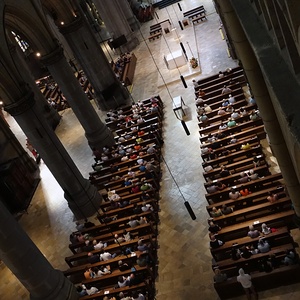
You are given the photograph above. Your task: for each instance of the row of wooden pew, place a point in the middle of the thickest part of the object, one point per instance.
(114, 220)
(251, 209)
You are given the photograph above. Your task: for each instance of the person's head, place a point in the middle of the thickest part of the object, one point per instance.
(79, 289)
(263, 225)
(233, 190)
(90, 254)
(241, 272)
(251, 228)
(121, 295)
(134, 294)
(120, 262)
(224, 206)
(121, 279)
(214, 209)
(261, 241)
(217, 272)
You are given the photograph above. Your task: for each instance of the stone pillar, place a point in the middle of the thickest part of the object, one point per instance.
(109, 92)
(12, 148)
(261, 93)
(83, 198)
(129, 15)
(29, 265)
(112, 14)
(97, 134)
(50, 114)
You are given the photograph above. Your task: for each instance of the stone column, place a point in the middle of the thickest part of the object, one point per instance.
(112, 14)
(97, 134)
(129, 15)
(12, 148)
(260, 90)
(109, 92)
(83, 198)
(51, 115)
(29, 265)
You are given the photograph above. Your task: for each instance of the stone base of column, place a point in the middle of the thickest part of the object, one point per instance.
(134, 23)
(132, 42)
(64, 291)
(100, 139)
(113, 97)
(85, 203)
(53, 118)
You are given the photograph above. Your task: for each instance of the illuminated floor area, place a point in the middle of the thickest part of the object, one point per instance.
(184, 257)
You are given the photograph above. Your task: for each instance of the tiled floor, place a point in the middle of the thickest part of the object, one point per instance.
(184, 257)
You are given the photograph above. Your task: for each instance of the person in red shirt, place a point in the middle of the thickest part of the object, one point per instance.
(244, 191)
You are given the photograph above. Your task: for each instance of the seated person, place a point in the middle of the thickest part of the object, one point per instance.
(244, 178)
(231, 99)
(137, 296)
(213, 228)
(226, 90)
(244, 191)
(253, 175)
(221, 111)
(291, 258)
(123, 281)
(123, 266)
(216, 212)
(245, 146)
(272, 197)
(234, 194)
(221, 186)
(235, 253)
(212, 188)
(222, 126)
(263, 246)
(219, 277)
(231, 123)
(91, 290)
(235, 115)
(245, 252)
(224, 172)
(253, 233)
(214, 243)
(265, 229)
(226, 210)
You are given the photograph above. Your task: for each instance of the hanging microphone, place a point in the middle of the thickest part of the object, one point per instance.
(185, 128)
(183, 81)
(190, 210)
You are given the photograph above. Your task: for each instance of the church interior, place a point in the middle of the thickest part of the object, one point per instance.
(58, 93)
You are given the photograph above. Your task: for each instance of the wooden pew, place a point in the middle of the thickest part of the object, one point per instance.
(143, 229)
(112, 278)
(235, 75)
(235, 129)
(235, 155)
(233, 147)
(252, 185)
(225, 249)
(209, 79)
(278, 219)
(248, 200)
(232, 167)
(111, 247)
(258, 210)
(258, 130)
(215, 118)
(113, 291)
(284, 275)
(215, 126)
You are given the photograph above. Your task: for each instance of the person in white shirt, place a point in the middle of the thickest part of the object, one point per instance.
(106, 256)
(91, 290)
(137, 296)
(99, 246)
(245, 281)
(231, 99)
